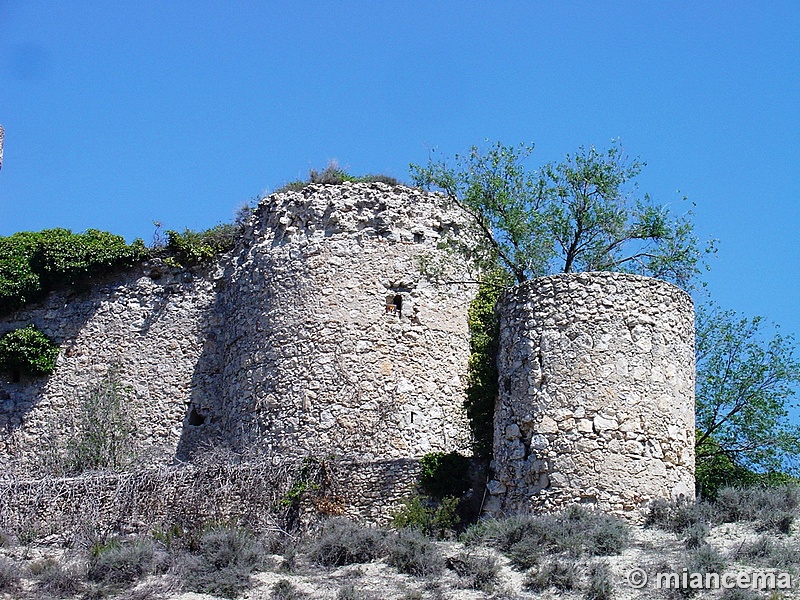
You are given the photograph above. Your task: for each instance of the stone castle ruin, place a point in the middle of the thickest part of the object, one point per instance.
(321, 334)
(596, 374)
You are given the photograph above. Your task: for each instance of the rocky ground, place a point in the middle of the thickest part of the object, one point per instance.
(577, 554)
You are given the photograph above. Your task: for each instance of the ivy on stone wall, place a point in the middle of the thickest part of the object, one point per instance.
(28, 350)
(482, 378)
(35, 263)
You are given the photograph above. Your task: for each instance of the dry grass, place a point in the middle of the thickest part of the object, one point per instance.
(575, 555)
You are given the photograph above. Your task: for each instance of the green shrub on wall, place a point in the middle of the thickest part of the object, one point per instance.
(29, 351)
(196, 247)
(482, 379)
(34, 263)
(103, 432)
(334, 175)
(434, 518)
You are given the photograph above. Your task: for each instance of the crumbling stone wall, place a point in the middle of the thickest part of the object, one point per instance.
(596, 399)
(321, 334)
(149, 325)
(318, 334)
(334, 340)
(251, 492)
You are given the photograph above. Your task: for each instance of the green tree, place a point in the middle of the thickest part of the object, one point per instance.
(746, 381)
(583, 214)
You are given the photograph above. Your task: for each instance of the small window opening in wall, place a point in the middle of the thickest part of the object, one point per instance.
(412, 416)
(394, 306)
(419, 238)
(16, 376)
(195, 418)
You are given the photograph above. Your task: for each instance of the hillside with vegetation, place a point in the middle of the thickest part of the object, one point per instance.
(576, 554)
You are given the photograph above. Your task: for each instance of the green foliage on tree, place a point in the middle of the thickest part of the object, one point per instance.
(35, 263)
(717, 471)
(745, 387)
(29, 351)
(586, 214)
(583, 214)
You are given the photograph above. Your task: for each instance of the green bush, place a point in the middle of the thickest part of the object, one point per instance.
(35, 263)
(350, 592)
(28, 350)
(678, 516)
(601, 584)
(499, 533)
(706, 559)
(10, 576)
(475, 572)
(285, 590)
(695, 536)
(227, 546)
(56, 579)
(769, 552)
(428, 516)
(102, 437)
(120, 563)
(19, 283)
(444, 475)
(770, 508)
(559, 573)
(526, 539)
(334, 175)
(224, 559)
(292, 186)
(197, 247)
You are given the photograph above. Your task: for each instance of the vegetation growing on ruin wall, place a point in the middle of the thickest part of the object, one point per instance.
(482, 378)
(35, 263)
(27, 350)
(334, 175)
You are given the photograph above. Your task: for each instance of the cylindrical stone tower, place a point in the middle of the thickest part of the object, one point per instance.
(596, 402)
(337, 340)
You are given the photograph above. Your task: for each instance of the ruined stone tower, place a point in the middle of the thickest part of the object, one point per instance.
(335, 342)
(596, 400)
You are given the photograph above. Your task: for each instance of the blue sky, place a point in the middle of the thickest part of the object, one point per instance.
(121, 113)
